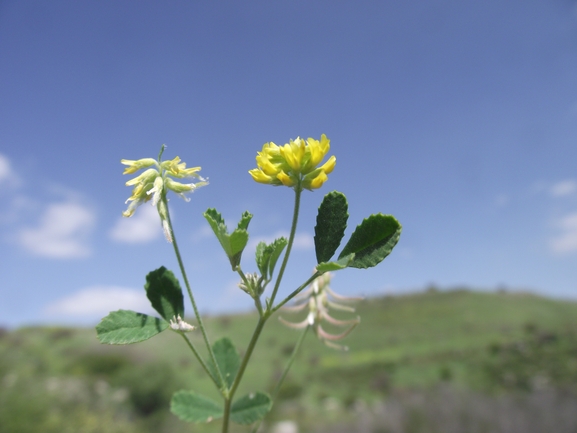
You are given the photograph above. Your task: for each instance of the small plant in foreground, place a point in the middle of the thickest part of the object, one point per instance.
(295, 165)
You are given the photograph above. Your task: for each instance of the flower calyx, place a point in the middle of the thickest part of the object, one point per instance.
(252, 284)
(179, 325)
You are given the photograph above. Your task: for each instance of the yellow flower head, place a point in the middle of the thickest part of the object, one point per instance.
(154, 182)
(295, 163)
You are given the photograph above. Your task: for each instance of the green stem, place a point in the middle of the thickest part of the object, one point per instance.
(199, 358)
(222, 385)
(289, 363)
(285, 372)
(247, 355)
(298, 191)
(296, 292)
(264, 317)
(240, 373)
(226, 417)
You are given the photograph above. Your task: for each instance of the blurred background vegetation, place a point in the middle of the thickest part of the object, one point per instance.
(439, 361)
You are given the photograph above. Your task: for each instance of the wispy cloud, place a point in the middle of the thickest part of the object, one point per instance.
(62, 232)
(7, 174)
(566, 242)
(144, 226)
(303, 241)
(98, 301)
(5, 169)
(563, 188)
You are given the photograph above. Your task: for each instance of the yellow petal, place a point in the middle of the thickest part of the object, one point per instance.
(293, 153)
(264, 163)
(134, 166)
(259, 176)
(285, 179)
(317, 182)
(145, 176)
(316, 153)
(329, 166)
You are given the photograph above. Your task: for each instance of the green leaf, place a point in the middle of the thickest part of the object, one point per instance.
(331, 224)
(335, 266)
(164, 292)
(233, 244)
(267, 256)
(372, 241)
(250, 408)
(244, 220)
(261, 258)
(216, 221)
(237, 242)
(127, 327)
(277, 248)
(227, 359)
(192, 407)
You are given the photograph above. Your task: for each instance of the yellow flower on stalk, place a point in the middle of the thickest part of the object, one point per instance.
(295, 163)
(154, 182)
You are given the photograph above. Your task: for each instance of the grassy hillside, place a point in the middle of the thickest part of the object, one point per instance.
(403, 343)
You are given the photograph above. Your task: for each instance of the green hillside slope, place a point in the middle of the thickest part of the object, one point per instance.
(403, 342)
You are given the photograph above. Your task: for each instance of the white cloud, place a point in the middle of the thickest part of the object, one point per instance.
(563, 188)
(62, 232)
(144, 226)
(303, 241)
(5, 170)
(7, 174)
(566, 242)
(98, 301)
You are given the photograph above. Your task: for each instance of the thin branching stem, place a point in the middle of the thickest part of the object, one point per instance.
(285, 372)
(226, 417)
(199, 358)
(290, 362)
(296, 292)
(241, 370)
(222, 385)
(298, 191)
(263, 317)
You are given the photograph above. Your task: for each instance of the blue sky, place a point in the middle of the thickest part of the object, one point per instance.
(457, 117)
